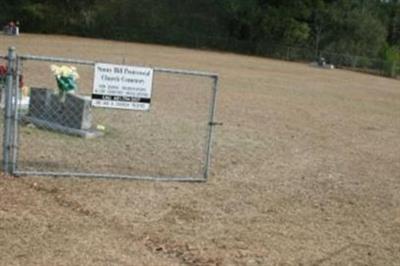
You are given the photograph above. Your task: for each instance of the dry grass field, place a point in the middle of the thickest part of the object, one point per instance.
(305, 171)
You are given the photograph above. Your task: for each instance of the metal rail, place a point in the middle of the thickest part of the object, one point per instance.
(185, 72)
(92, 63)
(110, 176)
(56, 60)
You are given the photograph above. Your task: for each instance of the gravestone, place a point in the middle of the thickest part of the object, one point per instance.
(71, 115)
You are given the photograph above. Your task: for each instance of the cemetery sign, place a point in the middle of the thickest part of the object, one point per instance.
(122, 87)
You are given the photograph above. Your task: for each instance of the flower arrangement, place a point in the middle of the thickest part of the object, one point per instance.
(3, 76)
(66, 77)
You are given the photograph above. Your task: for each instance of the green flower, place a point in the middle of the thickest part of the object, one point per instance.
(66, 83)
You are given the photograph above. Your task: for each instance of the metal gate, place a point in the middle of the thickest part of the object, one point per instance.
(170, 142)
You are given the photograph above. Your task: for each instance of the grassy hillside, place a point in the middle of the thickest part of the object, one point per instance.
(306, 171)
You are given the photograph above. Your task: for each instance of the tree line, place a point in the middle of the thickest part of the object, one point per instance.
(367, 28)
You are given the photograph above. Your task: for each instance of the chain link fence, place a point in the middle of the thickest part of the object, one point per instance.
(352, 62)
(300, 54)
(271, 49)
(363, 63)
(66, 136)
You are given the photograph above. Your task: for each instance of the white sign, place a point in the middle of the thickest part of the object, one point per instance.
(123, 87)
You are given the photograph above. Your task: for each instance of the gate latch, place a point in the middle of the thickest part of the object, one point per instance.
(213, 124)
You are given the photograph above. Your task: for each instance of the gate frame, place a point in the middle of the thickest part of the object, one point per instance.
(11, 120)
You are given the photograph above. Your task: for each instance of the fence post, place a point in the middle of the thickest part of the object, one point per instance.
(393, 69)
(288, 54)
(8, 111)
(15, 114)
(211, 125)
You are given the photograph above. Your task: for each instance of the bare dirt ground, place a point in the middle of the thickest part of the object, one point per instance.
(306, 171)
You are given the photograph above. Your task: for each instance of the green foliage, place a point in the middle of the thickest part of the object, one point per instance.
(391, 57)
(266, 27)
(35, 13)
(356, 29)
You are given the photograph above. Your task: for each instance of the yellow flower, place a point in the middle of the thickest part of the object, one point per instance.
(64, 71)
(101, 127)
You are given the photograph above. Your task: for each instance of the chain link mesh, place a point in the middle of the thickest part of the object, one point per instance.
(169, 140)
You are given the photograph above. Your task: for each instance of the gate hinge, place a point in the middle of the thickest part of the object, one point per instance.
(216, 124)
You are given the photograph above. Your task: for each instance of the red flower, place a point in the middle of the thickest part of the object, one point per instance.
(3, 71)
(3, 74)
